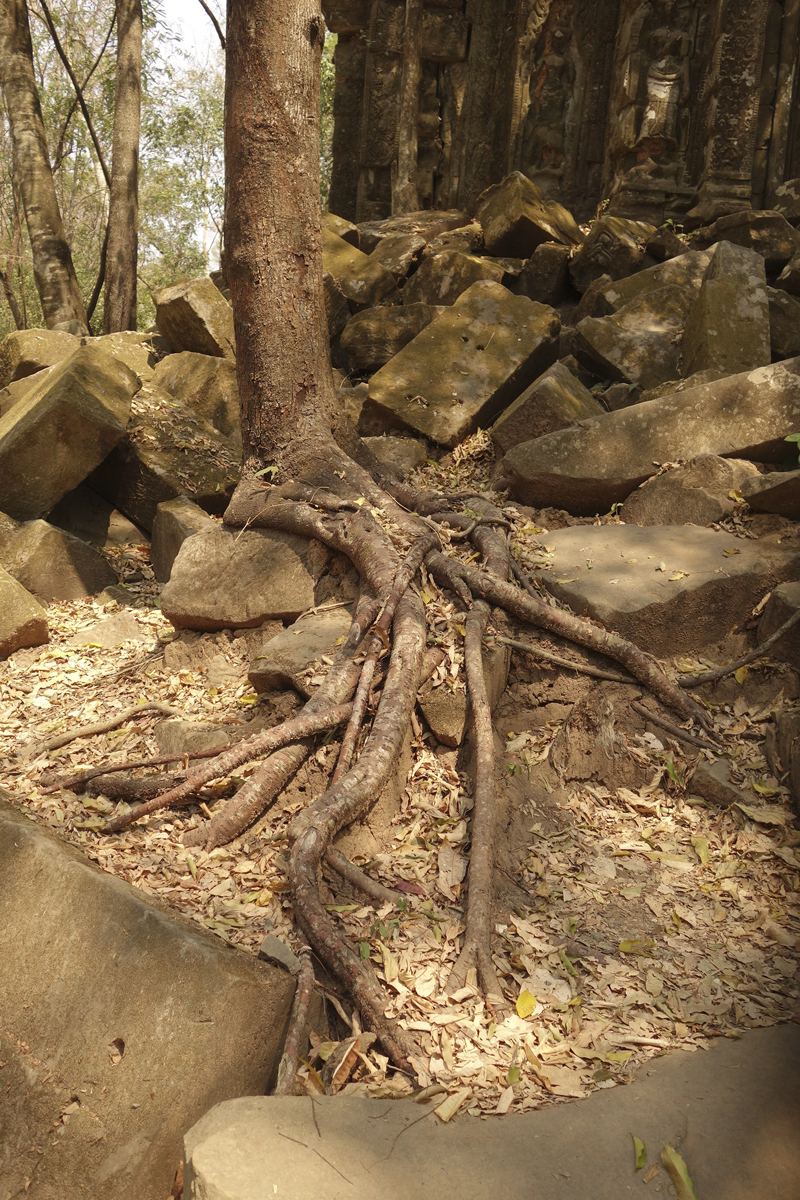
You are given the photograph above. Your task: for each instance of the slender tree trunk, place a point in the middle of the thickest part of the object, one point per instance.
(52, 259)
(123, 217)
(405, 197)
(273, 243)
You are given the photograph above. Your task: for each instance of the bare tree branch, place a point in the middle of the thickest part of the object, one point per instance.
(213, 21)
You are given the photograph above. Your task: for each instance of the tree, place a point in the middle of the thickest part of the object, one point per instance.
(55, 276)
(123, 216)
(325, 484)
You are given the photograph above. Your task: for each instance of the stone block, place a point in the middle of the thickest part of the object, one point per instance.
(372, 337)
(28, 351)
(784, 324)
(112, 632)
(782, 604)
(468, 364)
(444, 36)
(441, 280)
(696, 493)
(54, 565)
(516, 218)
(337, 310)
(553, 401)
(175, 521)
(23, 621)
(614, 247)
(123, 1022)
(445, 713)
(282, 661)
(686, 271)
(545, 276)
(346, 230)
(11, 395)
(767, 232)
(669, 588)
(196, 316)
(226, 580)
(776, 492)
(591, 466)
(207, 386)
(363, 280)
(62, 429)
(134, 349)
(787, 201)
(728, 328)
(189, 737)
(399, 253)
(428, 223)
(640, 343)
(167, 452)
(402, 453)
(84, 513)
(712, 781)
(466, 238)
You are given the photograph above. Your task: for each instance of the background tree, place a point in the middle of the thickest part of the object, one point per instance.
(123, 215)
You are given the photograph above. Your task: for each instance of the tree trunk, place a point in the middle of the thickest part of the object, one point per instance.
(404, 191)
(123, 217)
(52, 259)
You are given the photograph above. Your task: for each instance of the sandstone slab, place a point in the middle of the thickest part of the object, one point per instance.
(712, 781)
(640, 342)
(84, 513)
(363, 280)
(283, 660)
(123, 1013)
(135, 350)
(226, 580)
(337, 310)
(782, 604)
(787, 201)
(593, 465)
(553, 401)
(516, 218)
(111, 632)
(62, 429)
(175, 521)
(728, 328)
(207, 386)
(28, 351)
(698, 493)
(196, 316)
(427, 223)
(468, 364)
(346, 230)
(784, 324)
(403, 453)
(11, 395)
(668, 588)
(614, 247)
(687, 271)
(399, 253)
(441, 280)
(372, 337)
(23, 621)
(776, 492)
(54, 565)
(545, 276)
(167, 452)
(766, 232)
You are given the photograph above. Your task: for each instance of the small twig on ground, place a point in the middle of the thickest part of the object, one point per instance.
(355, 876)
(76, 783)
(287, 1068)
(687, 681)
(583, 668)
(137, 710)
(683, 734)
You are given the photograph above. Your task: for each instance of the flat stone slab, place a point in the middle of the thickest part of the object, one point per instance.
(777, 492)
(640, 342)
(553, 401)
(26, 351)
(207, 385)
(599, 462)
(55, 565)
(23, 621)
(728, 329)
(699, 492)
(175, 521)
(282, 660)
(732, 1112)
(194, 315)
(468, 364)
(120, 1015)
(669, 588)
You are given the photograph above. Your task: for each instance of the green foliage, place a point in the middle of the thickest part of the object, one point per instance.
(326, 119)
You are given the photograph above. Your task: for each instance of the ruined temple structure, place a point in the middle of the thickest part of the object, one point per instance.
(663, 107)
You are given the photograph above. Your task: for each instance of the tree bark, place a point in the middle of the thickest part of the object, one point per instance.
(53, 269)
(405, 197)
(119, 311)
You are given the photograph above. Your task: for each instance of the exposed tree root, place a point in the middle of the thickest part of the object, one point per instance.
(287, 1067)
(687, 681)
(137, 710)
(358, 879)
(683, 735)
(569, 663)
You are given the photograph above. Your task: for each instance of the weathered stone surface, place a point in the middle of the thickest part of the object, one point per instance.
(11, 395)
(789, 278)
(337, 310)
(89, 517)
(196, 316)
(672, 386)
(101, 987)
(27, 351)
(445, 713)
(782, 604)
(403, 453)
(224, 580)
(132, 348)
(768, 233)
(428, 223)
(784, 324)
(777, 492)
(175, 521)
(787, 739)
(113, 631)
(468, 364)
(23, 621)
(665, 244)
(698, 493)
(62, 429)
(516, 218)
(207, 386)
(553, 401)
(614, 247)
(668, 588)
(372, 337)
(189, 737)
(588, 468)
(441, 280)
(728, 328)
(282, 660)
(593, 302)
(399, 253)
(167, 452)
(545, 276)
(686, 271)
(640, 343)
(346, 230)
(276, 952)
(54, 565)
(787, 201)
(363, 280)
(467, 238)
(712, 781)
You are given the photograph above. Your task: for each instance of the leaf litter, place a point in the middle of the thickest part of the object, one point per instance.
(641, 920)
